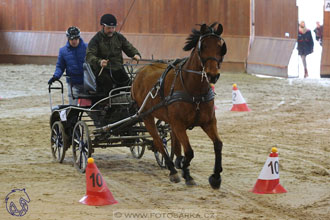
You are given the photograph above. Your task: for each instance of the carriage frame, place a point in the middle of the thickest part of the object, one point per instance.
(100, 121)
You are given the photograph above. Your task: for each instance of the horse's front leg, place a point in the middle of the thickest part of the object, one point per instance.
(212, 131)
(152, 129)
(184, 162)
(176, 148)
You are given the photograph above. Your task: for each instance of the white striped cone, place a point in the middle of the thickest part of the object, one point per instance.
(239, 103)
(269, 178)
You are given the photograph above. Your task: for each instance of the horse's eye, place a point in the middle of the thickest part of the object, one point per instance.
(219, 50)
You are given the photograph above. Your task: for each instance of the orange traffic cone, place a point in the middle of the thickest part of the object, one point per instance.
(269, 179)
(213, 89)
(239, 103)
(97, 192)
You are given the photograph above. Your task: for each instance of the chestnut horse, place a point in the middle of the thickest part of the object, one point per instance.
(181, 96)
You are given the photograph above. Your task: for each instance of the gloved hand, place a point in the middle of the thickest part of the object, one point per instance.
(51, 80)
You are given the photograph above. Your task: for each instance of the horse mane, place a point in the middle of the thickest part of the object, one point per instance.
(193, 38)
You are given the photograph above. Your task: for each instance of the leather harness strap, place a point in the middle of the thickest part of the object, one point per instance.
(178, 96)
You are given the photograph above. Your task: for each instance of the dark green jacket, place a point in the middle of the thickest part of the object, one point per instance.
(103, 47)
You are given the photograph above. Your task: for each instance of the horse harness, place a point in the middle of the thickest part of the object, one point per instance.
(184, 96)
(178, 96)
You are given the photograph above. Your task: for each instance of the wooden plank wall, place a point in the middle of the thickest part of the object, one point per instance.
(146, 16)
(149, 24)
(325, 62)
(274, 18)
(271, 49)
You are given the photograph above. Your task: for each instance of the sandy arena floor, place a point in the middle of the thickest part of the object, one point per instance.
(291, 114)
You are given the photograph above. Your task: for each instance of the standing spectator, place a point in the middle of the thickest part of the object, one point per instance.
(71, 59)
(319, 32)
(104, 54)
(305, 44)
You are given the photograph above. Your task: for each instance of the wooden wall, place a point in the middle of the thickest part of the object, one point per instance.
(272, 49)
(149, 23)
(274, 18)
(146, 16)
(325, 62)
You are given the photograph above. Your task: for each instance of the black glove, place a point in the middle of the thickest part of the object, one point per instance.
(51, 80)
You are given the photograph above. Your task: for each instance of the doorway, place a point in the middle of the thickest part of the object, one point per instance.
(310, 12)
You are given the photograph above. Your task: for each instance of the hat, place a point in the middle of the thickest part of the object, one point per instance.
(108, 20)
(73, 33)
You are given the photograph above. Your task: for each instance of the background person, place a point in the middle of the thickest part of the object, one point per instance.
(105, 51)
(319, 32)
(71, 59)
(305, 44)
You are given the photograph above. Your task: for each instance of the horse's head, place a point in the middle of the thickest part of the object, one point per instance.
(210, 49)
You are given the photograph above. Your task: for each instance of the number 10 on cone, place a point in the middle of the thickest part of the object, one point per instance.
(97, 180)
(270, 171)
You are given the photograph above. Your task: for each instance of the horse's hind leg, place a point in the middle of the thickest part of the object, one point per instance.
(211, 131)
(152, 129)
(184, 162)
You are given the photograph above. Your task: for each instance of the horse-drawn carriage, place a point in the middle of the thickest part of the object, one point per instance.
(163, 101)
(100, 121)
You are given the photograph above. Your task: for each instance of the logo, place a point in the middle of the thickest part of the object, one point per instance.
(327, 5)
(17, 202)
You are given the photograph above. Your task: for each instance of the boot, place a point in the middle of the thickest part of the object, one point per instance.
(306, 73)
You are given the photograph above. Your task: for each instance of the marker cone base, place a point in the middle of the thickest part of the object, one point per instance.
(240, 108)
(268, 187)
(98, 200)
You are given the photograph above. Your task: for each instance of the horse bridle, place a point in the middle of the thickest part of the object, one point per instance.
(203, 61)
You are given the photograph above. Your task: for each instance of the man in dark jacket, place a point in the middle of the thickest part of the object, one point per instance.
(70, 59)
(104, 54)
(305, 44)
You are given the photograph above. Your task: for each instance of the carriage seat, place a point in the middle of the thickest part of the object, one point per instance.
(89, 80)
(90, 88)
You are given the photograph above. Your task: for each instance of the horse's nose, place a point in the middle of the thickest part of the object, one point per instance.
(214, 79)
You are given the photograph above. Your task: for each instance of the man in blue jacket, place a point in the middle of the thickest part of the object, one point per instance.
(70, 59)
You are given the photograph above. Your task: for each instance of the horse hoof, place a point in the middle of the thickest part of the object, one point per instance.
(174, 178)
(191, 182)
(215, 182)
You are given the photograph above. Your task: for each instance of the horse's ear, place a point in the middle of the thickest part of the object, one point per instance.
(223, 49)
(219, 29)
(204, 29)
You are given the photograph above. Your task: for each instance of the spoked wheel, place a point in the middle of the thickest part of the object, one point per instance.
(137, 150)
(81, 146)
(165, 133)
(59, 141)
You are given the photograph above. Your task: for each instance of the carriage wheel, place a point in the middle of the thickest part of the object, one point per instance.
(137, 151)
(164, 130)
(159, 157)
(81, 146)
(59, 141)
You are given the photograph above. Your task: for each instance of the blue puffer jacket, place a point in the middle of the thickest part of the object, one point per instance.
(71, 60)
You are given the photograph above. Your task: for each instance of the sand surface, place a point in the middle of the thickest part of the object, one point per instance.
(291, 114)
